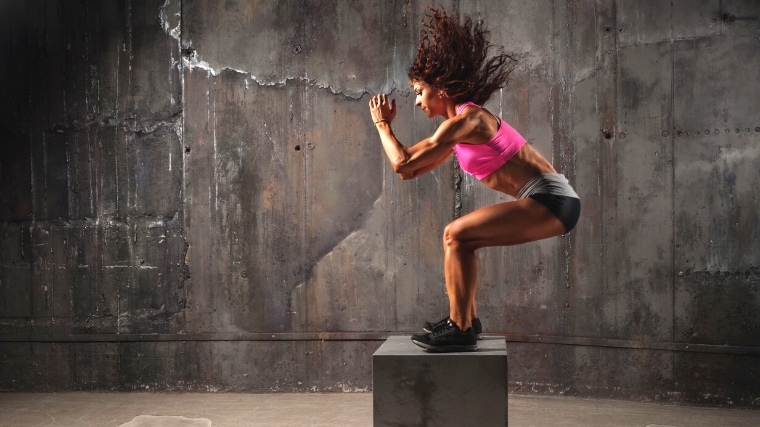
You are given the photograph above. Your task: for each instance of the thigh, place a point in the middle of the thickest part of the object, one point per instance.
(505, 224)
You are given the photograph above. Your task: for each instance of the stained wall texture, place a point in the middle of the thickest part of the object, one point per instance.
(193, 196)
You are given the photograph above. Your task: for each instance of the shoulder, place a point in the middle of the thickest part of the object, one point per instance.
(480, 123)
(468, 115)
(472, 125)
(475, 113)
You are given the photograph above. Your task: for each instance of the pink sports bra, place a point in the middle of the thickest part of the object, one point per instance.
(480, 160)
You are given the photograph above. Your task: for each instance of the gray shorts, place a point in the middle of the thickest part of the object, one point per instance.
(553, 190)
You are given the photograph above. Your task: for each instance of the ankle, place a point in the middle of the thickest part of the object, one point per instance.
(462, 323)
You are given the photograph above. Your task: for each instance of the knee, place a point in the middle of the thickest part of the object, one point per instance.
(454, 236)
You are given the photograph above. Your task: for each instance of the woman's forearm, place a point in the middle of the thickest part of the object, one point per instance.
(406, 161)
(425, 169)
(395, 151)
(411, 162)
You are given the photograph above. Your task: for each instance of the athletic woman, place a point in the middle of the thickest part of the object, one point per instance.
(452, 78)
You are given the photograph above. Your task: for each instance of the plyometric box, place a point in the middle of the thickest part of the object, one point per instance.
(412, 387)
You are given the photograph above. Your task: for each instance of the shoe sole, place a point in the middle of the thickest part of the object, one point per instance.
(446, 349)
(428, 331)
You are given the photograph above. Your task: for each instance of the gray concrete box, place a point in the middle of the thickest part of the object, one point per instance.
(412, 387)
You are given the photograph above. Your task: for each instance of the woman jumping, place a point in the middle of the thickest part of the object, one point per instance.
(452, 77)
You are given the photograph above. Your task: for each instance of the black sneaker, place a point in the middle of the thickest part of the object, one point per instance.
(430, 326)
(447, 338)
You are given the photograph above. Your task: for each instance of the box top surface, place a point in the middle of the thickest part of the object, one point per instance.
(402, 345)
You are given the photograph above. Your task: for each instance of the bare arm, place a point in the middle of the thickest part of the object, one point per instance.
(425, 169)
(410, 162)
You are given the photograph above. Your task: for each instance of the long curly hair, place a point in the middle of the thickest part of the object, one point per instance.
(453, 57)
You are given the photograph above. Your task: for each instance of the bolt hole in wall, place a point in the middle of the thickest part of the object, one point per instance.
(708, 132)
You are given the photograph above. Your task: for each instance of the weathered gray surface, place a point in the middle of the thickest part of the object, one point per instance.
(413, 387)
(331, 409)
(192, 196)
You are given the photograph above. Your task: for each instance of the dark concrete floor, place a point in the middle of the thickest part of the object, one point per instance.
(304, 410)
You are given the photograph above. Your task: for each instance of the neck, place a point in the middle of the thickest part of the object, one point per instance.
(451, 109)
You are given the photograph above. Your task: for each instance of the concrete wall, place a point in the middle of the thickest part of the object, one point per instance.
(193, 196)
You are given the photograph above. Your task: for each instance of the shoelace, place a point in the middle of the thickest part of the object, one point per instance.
(440, 325)
(442, 329)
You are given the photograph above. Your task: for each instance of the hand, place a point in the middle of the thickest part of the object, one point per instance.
(381, 109)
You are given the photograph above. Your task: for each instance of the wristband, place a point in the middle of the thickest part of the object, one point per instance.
(383, 120)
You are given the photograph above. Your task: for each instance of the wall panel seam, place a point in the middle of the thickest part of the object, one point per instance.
(376, 336)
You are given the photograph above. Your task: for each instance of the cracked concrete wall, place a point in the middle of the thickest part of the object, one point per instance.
(193, 196)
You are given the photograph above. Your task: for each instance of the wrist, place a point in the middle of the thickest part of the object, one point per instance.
(382, 123)
(386, 121)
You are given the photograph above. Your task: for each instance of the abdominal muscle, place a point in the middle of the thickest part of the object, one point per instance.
(510, 177)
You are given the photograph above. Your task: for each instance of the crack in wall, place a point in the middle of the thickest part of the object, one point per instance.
(192, 60)
(131, 125)
(175, 32)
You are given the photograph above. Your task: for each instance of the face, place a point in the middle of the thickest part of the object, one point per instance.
(428, 99)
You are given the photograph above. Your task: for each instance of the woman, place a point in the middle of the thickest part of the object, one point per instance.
(452, 78)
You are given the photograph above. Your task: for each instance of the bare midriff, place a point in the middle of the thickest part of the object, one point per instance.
(521, 168)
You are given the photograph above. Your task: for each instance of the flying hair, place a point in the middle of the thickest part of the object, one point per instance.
(453, 56)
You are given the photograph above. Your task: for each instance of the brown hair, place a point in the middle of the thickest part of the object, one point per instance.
(452, 56)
